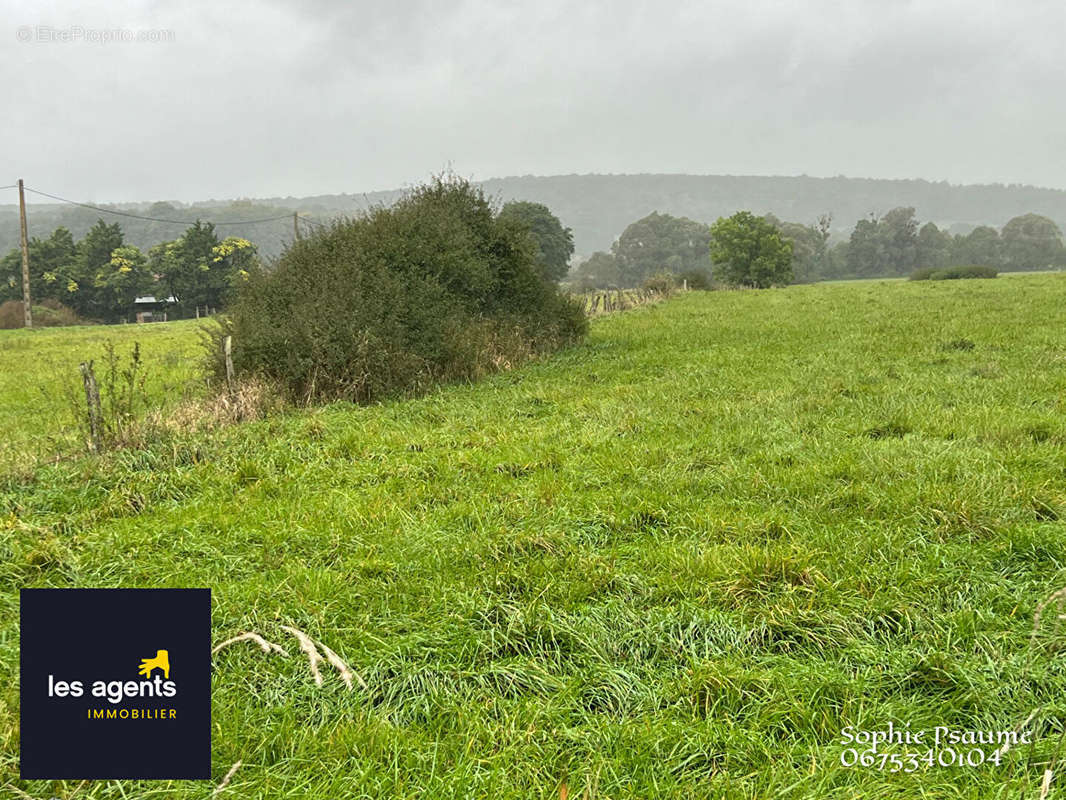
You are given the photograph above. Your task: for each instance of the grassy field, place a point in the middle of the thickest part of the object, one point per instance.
(39, 367)
(675, 561)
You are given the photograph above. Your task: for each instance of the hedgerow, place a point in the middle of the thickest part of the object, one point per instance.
(953, 273)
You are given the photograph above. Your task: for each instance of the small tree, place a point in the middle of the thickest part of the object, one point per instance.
(554, 243)
(660, 243)
(982, 245)
(934, 246)
(232, 262)
(118, 282)
(748, 251)
(188, 269)
(598, 271)
(92, 259)
(1032, 242)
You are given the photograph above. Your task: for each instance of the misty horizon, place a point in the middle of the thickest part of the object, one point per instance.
(33, 199)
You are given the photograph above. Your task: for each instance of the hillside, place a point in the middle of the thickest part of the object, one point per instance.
(675, 561)
(598, 207)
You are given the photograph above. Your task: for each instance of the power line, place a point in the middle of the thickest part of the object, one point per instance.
(12, 186)
(153, 219)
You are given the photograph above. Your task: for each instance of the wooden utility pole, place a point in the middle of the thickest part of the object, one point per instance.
(27, 313)
(296, 225)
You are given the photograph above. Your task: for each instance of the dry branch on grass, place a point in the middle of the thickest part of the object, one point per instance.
(308, 646)
(342, 668)
(1045, 786)
(226, 780)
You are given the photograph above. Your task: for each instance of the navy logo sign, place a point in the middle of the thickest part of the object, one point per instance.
(115, 683)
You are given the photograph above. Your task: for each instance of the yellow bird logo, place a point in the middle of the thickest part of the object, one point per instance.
(161, 661)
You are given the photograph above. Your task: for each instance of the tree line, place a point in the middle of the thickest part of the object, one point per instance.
(100, 275)
(597, 207)
(892, 245)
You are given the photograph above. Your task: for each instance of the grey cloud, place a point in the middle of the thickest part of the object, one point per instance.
(261, 99)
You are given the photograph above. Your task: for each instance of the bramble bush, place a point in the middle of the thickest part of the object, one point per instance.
(435, 288)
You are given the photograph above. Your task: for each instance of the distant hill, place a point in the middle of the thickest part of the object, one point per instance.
(598, 207)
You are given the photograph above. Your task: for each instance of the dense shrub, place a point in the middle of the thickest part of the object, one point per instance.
(953, 273)
(50, 313)
(434, 288)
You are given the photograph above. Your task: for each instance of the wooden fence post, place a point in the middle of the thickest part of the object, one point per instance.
(92, 404)
(227, 347)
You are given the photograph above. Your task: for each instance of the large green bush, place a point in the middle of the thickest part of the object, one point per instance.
(434, 288)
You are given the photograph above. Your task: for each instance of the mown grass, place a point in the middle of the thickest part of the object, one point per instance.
(673, 562)
(38, 369)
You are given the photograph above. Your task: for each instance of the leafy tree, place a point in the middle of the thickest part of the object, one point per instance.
(899, 237)
(48, 258)
(164, 260)
(864, 248)
(982, 245)
(1032, 242)
(120, 281)
(934, 246)
(808, 246)
(836, 261)
(233, 260)
(554, 243)
(11, 276)
(748, 251)
(598, 271)
(99, 277)
(92, 260)
(658, 243)
(822, 263)
(188, 269)
(884, 246)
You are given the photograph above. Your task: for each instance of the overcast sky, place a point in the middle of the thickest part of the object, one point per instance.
(262, 99)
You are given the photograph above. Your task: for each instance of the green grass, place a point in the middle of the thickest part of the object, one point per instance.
(38, 368)
(673, 562)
